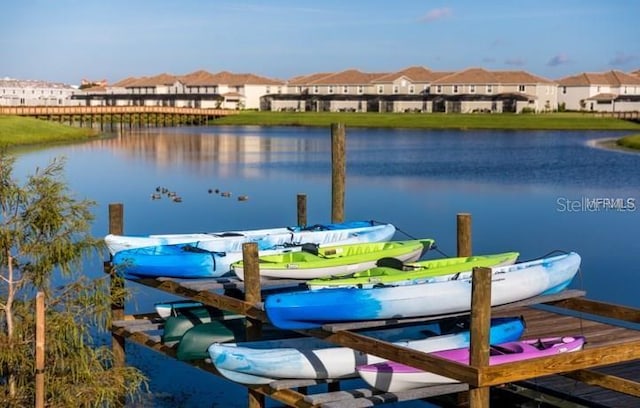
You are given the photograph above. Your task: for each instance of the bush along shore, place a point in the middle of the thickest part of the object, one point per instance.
(630, 142)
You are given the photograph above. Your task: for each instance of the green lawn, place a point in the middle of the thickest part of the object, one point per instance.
(20, 131)
(550, 121)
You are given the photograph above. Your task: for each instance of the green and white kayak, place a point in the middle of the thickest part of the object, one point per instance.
(399, 273)
(195, 342)
(320, 261)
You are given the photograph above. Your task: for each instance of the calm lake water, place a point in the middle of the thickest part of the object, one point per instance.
(528, 191)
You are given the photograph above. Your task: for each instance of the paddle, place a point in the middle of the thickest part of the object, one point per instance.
(395, 263)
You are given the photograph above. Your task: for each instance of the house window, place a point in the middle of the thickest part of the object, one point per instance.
(331, 89)
(564, 90)
(345, 89)
(455, 89)
(439, 89)
(360, 89)
(315, 89)
(489, 89)
(268, 90)
(521, 88)
(472, 89)
(396, 89)
(380, 89)
(412, 89)
(279, 89)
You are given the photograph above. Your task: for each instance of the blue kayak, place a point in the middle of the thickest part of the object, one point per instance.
(307, 309)
(212, 256)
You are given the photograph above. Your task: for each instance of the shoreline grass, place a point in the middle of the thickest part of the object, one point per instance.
(547, 121)
(20, 131)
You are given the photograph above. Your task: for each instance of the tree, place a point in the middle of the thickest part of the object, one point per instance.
(44, 237)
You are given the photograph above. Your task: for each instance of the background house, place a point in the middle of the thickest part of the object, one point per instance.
(19, 92)
(480, 90)
(612, 91)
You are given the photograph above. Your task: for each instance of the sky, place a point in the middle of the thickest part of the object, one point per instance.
(70, 40)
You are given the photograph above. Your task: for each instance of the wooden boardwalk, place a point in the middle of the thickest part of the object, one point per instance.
(110, 110)
(606, 373)
(110, 116)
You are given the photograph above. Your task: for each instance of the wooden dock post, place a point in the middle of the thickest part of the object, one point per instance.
(302, 210)
(116, 226)
(464, 234)
(480, 322)
(252, 295)
(40, 349)
(252, 286)
(338, 171)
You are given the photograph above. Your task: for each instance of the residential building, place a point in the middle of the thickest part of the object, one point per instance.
(418, 89)
(408, 90)
(19, 92)
(611, 91)
(480, 90)
(199, 89)
(413, 89)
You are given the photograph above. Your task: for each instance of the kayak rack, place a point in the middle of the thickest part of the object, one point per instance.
(611, 330)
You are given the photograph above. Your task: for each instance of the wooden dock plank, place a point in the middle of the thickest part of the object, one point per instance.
(388, 397)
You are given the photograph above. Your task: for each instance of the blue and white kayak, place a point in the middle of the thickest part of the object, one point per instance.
(213, 257)
(231, 241)
(262, 362)
(434, 296)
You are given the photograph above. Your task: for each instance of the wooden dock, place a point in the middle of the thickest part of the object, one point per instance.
(131, 116)
(606, 373)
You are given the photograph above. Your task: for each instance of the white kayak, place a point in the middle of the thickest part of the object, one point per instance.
(262, 362)
(231, 241)
(309, 309)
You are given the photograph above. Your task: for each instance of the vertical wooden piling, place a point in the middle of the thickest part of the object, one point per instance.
(116, 226)
(252, 295)
(40, 342)
(338, 171)
(464, 234)
(463, 221)
(302, 210)
(251, 285)
(480, 322)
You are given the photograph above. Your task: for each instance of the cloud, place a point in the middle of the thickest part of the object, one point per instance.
(437, 14)
(622, 59)
(518, 62)
(559, 59)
